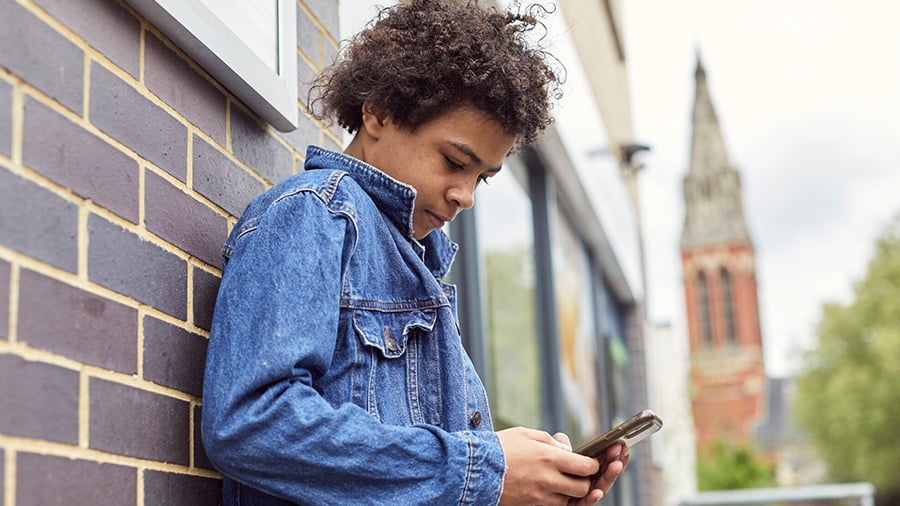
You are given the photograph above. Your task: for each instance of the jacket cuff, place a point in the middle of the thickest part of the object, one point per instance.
(486, 469)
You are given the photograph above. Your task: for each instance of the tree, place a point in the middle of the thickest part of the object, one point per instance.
(847, 395)
(733, 467)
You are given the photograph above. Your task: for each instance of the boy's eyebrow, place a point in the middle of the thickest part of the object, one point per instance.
(471, 154)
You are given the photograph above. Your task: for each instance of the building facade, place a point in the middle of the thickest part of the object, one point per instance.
(123, 165)
(728, 381)
(126, 158)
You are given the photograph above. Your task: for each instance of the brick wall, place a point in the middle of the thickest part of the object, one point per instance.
(728, 381)
(123, 166)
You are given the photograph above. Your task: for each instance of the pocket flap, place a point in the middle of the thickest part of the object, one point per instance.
(389, 331)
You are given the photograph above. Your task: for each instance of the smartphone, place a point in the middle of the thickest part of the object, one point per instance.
(632, 431)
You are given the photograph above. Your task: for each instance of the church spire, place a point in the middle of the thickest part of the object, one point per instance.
(707, 146)
(714, 211)
(727, 368)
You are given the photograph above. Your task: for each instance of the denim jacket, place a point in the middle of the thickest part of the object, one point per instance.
(335, 372)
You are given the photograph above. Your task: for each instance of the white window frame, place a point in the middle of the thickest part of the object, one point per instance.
(201, 34)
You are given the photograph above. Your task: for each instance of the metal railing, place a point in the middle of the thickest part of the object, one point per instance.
(862, 494)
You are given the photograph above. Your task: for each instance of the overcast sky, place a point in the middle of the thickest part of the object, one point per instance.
(808, 97)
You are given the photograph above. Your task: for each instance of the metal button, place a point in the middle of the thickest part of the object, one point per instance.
(476, 418)
(392, 345)
(389, 341)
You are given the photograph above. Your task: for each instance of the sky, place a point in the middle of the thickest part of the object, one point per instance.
(808, 97)
(807, 94)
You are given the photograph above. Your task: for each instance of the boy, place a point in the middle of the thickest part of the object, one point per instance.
(335, 372)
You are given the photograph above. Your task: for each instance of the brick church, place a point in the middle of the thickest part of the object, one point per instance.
(727, 374)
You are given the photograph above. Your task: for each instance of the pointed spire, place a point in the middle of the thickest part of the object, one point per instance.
(713, 203)
(707, 145)
(699, 72)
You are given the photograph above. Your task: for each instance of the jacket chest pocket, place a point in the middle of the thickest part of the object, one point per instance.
(397, 373)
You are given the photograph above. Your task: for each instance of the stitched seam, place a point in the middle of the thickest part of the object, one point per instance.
(374, 305)
(468, 470)
(371, 403)
(412, 380)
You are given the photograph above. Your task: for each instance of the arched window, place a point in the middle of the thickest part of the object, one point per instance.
(728, 308)
(703, 295)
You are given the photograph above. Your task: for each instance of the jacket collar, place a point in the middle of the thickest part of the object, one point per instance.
(395, 199)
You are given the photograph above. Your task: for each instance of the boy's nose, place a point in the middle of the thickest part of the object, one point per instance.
(463, 196)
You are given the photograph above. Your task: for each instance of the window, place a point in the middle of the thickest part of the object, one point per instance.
(577, 331)
(703, 303)
(728, 308)
(506, 247)
(249, 47)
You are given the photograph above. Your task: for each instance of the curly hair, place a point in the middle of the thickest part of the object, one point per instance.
(421, 58)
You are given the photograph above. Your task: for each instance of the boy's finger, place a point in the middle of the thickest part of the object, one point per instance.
(564, 439)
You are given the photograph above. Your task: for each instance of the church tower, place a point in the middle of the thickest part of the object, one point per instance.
(728, 381)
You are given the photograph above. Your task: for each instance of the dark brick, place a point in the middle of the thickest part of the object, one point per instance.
(41, 56)
(221, 180)
(179, 219)
(38, 400)
(307, 133)
(122, 261)
(206, 288)
(200, 458)
(68, 321)
(305, 77)
(132, 119)
(5, 118)
(253, 145)
(43, 480)
(136, 423)
(78, 159)
(326, 11)
(328, 143)
(105, 25)
(4, 301)
(329, 53)
(308, 35)
(37, 222)
(181, 489)
(182, 87)
(173, 357)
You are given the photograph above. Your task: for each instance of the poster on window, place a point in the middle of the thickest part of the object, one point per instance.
(577, 332)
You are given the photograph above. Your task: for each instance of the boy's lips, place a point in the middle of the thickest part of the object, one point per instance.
(436, 220)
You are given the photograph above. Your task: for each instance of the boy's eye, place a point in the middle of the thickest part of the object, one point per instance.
(453, 164)
(483, 179)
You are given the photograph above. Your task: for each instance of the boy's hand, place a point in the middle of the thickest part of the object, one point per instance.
(542, 469)
(611, 467)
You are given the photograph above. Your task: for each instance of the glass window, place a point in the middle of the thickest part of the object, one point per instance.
(577, 332)
(728, 308)
(705, 323)
(506, 246)
(249, 47)
(615, 366)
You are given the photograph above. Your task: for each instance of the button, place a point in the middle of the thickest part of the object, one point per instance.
(392, 345)
(476, 418)
(389, 341)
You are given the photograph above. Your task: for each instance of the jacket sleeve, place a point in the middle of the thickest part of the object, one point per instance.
(273, 334)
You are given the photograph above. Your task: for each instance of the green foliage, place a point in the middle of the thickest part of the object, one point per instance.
(847, 397)
(733, 467)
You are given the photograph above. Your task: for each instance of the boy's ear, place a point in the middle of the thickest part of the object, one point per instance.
(373, 120)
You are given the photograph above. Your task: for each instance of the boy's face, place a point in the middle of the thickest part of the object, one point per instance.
(444, 160)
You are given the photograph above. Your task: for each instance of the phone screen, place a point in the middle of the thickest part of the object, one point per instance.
(630, 432)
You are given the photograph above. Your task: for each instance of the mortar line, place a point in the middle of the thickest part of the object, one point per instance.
(84, 416)
(15, 274)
